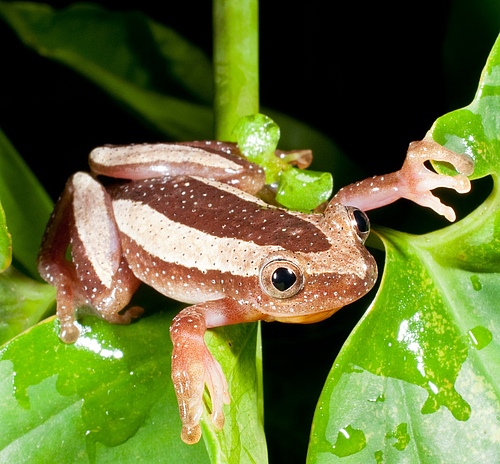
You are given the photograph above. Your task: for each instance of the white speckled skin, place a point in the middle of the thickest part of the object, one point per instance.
(184, 220)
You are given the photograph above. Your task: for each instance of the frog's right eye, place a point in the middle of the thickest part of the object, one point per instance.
(281, 278)
(360, 222)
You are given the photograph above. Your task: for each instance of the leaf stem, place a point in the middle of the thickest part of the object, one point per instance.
(236, 63)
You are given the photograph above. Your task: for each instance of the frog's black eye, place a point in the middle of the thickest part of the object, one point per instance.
(281, 278)
(360, 222)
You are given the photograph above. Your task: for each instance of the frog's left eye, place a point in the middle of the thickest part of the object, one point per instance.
(281, 278)
(360, 222)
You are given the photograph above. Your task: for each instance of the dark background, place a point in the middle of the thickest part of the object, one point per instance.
(371, 76)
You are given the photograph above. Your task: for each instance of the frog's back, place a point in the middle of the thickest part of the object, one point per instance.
(180, 234)
(218, 211)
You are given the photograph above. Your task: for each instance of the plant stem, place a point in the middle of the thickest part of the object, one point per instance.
(236, 63)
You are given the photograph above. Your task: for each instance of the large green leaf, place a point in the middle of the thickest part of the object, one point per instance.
(417, 380)
(109, 397)
(27, 206)
(24, 303)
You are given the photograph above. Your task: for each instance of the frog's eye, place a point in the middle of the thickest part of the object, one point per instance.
(281, 278)
(360, 222)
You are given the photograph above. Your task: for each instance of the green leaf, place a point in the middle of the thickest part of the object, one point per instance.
(303, 190)
(257, 137)
(242, 440)
(419, 375)
(105, 397)
(148, 68)
(5, 243)
(27, 206)
(24, 302)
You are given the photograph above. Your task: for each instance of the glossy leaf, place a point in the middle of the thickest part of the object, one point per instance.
(257, 137)
(26, 204)
(105, 397)
(304, 190)
(419, 375)
(24, 303)
(5, 243)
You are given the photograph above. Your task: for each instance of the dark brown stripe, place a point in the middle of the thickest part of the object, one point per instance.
(223, 214)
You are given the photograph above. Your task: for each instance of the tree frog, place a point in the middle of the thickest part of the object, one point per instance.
(184, 218)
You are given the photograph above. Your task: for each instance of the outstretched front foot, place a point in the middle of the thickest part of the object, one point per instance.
(414, 181)
(420, 180)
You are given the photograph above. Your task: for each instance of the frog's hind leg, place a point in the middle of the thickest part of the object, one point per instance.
(97, 275)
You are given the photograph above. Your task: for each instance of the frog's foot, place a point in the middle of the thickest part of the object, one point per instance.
(300, 158)
(69, 331)
(419, 181)
(192, 367)
(126, 317)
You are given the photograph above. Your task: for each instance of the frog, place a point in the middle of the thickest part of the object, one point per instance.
(186, 219)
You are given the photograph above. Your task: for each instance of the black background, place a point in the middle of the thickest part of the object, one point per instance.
(371, 76)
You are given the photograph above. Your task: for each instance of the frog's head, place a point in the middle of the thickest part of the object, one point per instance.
(332, 271)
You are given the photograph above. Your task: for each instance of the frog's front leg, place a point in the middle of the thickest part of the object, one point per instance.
(413, 181)
(193, 365)
(97, 276)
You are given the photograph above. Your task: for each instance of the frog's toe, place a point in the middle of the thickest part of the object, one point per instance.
(218, 388)
(188, 380)
(126, 317)
(190, 374)
(428, 200)
(69, 332)
(191, 435)
(418, 181)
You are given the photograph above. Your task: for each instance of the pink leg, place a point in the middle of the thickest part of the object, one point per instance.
(193, 365)
(413, 181)
(97, 276)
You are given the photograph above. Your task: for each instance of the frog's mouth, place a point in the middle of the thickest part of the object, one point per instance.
(305, 318)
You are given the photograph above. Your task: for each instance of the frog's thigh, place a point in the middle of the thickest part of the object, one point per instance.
(210, 160)
(106, 282)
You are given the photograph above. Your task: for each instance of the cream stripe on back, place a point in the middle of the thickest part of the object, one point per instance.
(177, 243)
